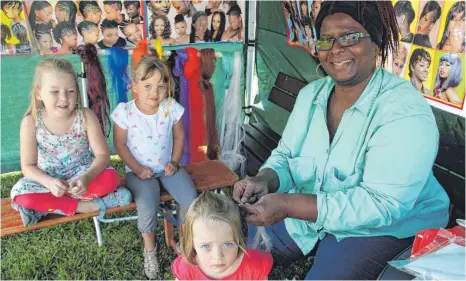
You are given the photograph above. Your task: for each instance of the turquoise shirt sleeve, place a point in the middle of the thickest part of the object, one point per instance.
(397, 166)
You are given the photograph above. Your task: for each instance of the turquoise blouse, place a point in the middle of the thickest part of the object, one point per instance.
(375, 177)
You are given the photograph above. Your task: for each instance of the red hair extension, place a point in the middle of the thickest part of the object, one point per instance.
(96, 85)
(207, 57)
(196, 106)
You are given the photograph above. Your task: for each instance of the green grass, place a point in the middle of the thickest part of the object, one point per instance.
(70, 251)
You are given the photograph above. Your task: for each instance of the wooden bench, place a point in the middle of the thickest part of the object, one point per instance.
(207, 176)
(449, 166)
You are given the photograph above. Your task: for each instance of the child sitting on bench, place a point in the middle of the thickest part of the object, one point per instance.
(149, 137)
(57, 135)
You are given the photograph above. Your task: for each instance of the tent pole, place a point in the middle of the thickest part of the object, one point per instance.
(83, 76)
(251, 56)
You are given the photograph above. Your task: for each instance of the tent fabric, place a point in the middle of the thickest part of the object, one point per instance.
(274, 56)
(16, 81)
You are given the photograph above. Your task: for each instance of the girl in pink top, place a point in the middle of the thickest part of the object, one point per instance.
(214, 246)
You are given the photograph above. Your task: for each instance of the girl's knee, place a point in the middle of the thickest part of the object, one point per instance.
(24, 200)
(147, 222)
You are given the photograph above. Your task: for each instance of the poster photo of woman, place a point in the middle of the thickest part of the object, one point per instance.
(452, 35)
(398, 62)
(428, 24)
(406, 13)
(300, 17)
(420, 69)
(449, 85)
(15, 37)
(59, 26)
(179, 22)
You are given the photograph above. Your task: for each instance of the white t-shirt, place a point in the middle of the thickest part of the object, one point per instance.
(149, 137)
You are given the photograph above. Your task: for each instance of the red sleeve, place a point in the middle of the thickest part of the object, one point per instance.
(261, 264)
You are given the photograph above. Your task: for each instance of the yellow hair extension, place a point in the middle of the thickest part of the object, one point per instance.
(158, 47)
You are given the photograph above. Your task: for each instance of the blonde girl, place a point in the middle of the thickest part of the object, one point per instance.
(149, 137)
(64, 156)
(214, 246)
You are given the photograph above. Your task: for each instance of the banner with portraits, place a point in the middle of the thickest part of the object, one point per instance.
(300, 17)
(183, 22)
(59, 26)
(15, 37)
(431, 54)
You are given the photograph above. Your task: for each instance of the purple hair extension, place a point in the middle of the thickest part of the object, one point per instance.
(178, 71)
(96, 85)
(118, 65)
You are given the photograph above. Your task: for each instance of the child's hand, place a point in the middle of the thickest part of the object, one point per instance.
(171, 168)
(144, 173)
(58, 187)
(78, 186)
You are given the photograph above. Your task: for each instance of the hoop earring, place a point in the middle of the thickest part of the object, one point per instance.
(317, 71)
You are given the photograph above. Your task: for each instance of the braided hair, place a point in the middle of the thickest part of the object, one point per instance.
(5, 33)
(20, 31)
(62, 29)
(37, 6)
(70, 8)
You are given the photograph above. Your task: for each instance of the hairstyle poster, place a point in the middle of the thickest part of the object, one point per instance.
(300, 17)
(431, 54)
(184, 22)
(15, 37)
(61, 25)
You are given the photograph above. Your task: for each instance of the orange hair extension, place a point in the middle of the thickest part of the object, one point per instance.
(138, 53)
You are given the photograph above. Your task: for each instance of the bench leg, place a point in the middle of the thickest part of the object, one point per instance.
(179, 211)
(169, 232)
(98, 232)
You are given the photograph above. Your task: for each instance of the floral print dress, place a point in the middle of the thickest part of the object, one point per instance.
(63, 156)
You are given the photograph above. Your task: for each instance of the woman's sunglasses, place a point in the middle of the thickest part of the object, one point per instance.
(325, 44)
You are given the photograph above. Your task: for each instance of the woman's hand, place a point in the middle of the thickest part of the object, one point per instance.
(249, 190)
(58, 187)
(270, 209)
(78, 185)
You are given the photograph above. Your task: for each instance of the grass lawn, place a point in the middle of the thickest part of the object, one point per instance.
(70, 251)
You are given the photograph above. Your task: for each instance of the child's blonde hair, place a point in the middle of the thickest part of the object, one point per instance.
(52, 64)
(211, 207)
(147, 66)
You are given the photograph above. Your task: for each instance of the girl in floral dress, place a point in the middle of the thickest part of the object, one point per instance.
(64, 155)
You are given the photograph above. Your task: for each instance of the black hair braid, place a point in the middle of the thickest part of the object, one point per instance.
(390, 35)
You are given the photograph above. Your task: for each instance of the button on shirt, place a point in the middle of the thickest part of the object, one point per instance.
(375, 177)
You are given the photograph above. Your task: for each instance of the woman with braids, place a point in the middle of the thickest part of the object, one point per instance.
(66, 10)
(65, 34)
(5, 35)
(44, 40)
(24, 45)
(90, 11)
(40, 12)
(349, 181)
